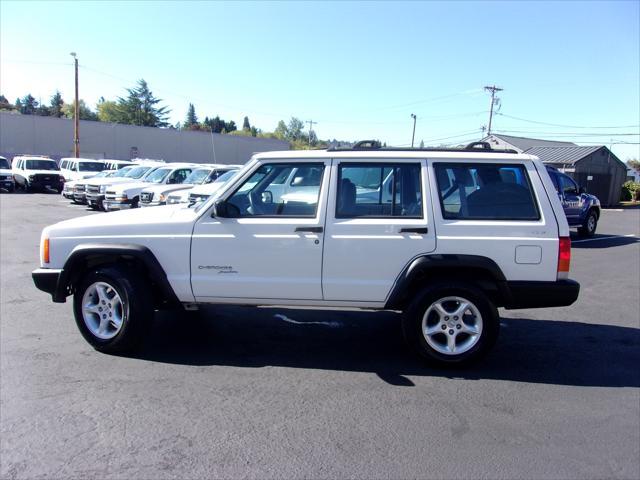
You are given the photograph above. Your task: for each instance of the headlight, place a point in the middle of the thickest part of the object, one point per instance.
(103, 188)
(162, 198)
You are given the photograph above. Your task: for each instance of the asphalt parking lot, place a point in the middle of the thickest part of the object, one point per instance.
(291, 393)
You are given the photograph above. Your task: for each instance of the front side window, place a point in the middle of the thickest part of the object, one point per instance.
(262, 195)
(379, 190)
(179, 176)
(198, 176)
(41, 165)
(569, 187)
(4, 163)
(485, 192)
(137, 172)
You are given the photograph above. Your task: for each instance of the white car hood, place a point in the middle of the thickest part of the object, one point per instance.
(168, 188)
(111, 180)
(123, 188)
(26, 173)
(4, 171)
(207, 189)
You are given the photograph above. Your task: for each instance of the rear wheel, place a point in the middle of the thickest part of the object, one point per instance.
(112, 309)
(588, 228)
(451, 324)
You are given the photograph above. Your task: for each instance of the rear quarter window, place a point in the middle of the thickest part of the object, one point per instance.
(485, 192)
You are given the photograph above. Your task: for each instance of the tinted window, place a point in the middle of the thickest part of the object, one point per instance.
(41, 165)
(4, 163)
(568, 185)
(90, 166)
(179, 175)
(260, 195)
(379, 190)
(485, 192)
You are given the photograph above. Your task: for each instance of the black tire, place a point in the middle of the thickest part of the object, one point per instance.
(135, 203)
(412, 324)
(588, 228)
(137, 308)
(27, 188)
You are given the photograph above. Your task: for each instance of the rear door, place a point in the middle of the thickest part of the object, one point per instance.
(377, 221)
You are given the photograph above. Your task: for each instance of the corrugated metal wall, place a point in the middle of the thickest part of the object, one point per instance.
(32, 134)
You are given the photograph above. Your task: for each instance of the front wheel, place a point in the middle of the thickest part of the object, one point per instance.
(588, 228)
(112, 309)
(451, 324)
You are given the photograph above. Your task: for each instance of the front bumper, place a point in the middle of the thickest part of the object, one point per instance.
(7, 184)
(110, 205)
(44, 184)
(80, 197)
(561, 293)
(47, 279)
(152, 204)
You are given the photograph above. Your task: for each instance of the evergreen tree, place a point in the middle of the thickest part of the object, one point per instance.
(108, 111)
(294, 130)
(230, 126)
(245, 124)
(281, 132)
(140, 107)
(192, 118)
(55, 109)
(28, 105)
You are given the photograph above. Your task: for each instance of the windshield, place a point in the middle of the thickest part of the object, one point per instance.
(158, 176)
(226, 176)
(122, 172)
(217, 173)
(90, 166)
(40, 165)
(4, 163)
(137, 172)
(197, 176)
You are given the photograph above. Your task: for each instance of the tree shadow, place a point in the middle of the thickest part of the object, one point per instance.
(533, 351)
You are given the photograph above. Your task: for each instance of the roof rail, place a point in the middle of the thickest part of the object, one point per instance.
(364, 145)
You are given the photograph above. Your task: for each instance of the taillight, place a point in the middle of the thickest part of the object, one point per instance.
(564, 257)
(45, 250)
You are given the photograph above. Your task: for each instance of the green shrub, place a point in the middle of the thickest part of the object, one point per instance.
(630, 191)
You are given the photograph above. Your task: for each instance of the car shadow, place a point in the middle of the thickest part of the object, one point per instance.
(602, 241)
(533, 351)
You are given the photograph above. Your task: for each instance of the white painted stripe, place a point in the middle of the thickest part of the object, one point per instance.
(613, 209)
(261, 235)
(603, 238)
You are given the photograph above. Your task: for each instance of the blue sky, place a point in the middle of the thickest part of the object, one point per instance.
(358, 69)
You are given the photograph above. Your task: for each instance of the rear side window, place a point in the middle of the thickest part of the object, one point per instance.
(485, 192)
(379, 190)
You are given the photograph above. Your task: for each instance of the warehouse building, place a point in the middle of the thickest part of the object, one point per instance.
(595, 167)
(35, 135)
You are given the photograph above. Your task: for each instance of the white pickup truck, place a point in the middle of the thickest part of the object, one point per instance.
(444, 236)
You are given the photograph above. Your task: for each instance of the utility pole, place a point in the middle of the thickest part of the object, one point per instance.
(310, 122)
(76, 114)
(493, 91)
(413, 136)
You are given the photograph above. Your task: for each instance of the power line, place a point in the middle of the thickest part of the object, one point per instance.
(570, 134)
(559, 125)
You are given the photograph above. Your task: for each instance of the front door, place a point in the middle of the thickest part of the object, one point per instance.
(571, 199)
(377, 221)
(272, 248)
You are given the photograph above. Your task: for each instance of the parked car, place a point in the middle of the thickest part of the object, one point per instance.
(447, 263)
(200, 193)
(35, 172)
(96, 188)
(110, 164)
(159, 194)
(6, 176)
(581, 208)
(78, 188)
(125, 196)
(80, 168)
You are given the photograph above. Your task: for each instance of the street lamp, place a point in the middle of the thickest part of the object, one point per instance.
(76, 113)
(414, 129)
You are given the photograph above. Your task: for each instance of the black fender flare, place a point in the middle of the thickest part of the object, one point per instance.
(423, 269)
(96, 253)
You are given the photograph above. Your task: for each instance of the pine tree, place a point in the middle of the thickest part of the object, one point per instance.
(246, 125)
(55, 109)
(28, 105)
(140, 107)
(192, 118)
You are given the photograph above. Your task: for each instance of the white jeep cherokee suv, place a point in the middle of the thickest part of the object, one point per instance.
(445, 236)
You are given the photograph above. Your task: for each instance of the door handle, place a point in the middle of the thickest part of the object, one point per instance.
(414, 230)
(309, 229)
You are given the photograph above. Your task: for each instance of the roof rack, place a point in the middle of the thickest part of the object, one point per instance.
(368, 145)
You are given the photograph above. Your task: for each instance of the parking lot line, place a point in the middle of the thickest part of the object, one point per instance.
(604, 238)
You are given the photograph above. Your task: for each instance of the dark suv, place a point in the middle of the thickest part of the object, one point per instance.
(582, 209)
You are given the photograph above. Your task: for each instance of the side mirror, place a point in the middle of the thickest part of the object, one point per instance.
(297, 181)
(267, 197)
(222, 209)
(582, 190)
